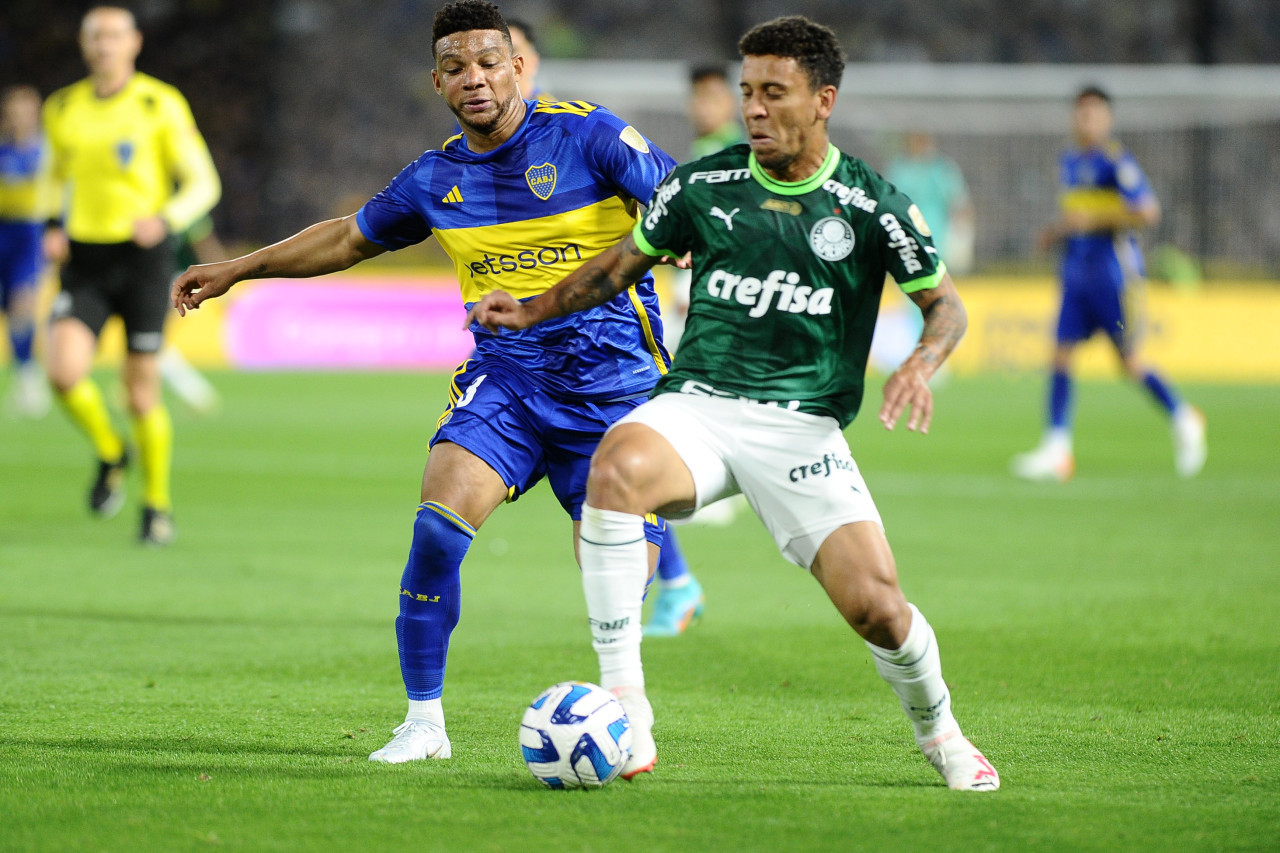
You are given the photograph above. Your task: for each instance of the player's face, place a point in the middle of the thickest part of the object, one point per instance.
(711, 105)
(477, 75)
(20, 115)
(785, 116)
(109, 41)
(1091, 121)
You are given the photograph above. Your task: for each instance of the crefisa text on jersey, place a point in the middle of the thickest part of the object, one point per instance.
(902, 241)
(793, 297)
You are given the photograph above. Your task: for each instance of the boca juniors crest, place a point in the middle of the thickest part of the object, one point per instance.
(542, 180)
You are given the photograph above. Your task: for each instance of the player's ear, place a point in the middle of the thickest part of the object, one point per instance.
(826, 101)
(435, 81)
(517, 62)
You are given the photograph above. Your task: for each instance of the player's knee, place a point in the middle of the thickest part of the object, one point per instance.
(616, 478)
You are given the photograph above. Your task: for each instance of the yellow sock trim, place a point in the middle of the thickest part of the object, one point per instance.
(155, 446)
(89, 411)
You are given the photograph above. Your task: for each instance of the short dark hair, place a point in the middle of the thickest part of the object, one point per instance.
(1093, 91)
(708, 72)
(462, 15)
(813, 46)
(523, 26)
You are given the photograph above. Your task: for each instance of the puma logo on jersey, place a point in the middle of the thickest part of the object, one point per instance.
(793, 297)
(727, 217)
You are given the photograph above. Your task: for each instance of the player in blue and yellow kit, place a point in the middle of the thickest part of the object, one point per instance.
(24, 207)
(1105, 199)
(526, 194)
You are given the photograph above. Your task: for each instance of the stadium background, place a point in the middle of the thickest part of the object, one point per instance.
(309, 107)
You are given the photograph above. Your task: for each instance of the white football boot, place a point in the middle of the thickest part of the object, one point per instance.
(961, 764)
(415, 740)
(1051, 461)
(644, 752)
(1189, 446)
(30, 396)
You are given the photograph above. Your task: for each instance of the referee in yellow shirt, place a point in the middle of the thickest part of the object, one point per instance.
(135, 171)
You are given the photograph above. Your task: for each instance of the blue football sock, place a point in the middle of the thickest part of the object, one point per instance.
(1159, 389)
(430, 598)
(21, 338)
(1060, 400)
(671, 563)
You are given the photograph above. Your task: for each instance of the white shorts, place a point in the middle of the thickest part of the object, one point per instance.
(794, 468)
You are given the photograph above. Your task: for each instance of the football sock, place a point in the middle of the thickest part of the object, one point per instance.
(428, 710)
(914, 671)
(154, 432)
(21, 338)
(85, 405)
(673, 571)
(1060, 400)
(430, 598)
(1160, 390)
(615, 566)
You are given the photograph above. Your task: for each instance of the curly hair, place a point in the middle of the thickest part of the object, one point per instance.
(462, 15)
(813, 46)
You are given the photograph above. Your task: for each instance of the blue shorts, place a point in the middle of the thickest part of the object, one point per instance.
(499, 413)
(21, 258)
(1093, 299)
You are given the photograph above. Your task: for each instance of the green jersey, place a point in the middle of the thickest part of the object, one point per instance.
(787, 277)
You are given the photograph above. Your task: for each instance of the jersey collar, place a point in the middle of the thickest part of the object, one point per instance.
(808, 185)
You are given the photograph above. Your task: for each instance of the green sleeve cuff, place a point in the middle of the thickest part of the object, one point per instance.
(926, 283)
(643, 244)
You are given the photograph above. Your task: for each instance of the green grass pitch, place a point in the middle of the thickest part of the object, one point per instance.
(1111, 644)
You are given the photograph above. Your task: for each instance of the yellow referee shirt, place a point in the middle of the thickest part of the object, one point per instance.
(131, 156)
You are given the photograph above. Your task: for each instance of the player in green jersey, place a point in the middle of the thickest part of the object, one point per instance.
(791, 240)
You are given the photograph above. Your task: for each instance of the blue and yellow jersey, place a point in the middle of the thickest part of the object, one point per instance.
(522, 217)
(130, 156)
(24, 181)
(1102, 180)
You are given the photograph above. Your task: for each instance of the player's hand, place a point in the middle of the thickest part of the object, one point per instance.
(56, 246)
(907, 388)
(684, 263)
(199, 283)
(150, 232)
(498, 310)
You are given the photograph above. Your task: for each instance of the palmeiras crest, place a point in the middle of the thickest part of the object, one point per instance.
(542, 180)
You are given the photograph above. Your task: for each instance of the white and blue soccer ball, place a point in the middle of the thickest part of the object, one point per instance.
(575, 735)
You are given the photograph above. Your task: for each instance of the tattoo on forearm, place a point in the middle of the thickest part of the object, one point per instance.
(944, 325)
(595, 287)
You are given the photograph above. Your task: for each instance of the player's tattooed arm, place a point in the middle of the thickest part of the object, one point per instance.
(945, 321)
(908, 387)
(594, 283)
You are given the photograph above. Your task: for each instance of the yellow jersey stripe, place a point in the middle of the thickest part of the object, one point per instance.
(650, 341)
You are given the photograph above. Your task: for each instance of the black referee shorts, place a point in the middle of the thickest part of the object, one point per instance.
(101, 279)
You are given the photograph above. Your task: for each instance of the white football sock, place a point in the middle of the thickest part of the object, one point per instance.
(428, 710)
(1059, 439)
(678, 583)
(914, 671)
(615, 568)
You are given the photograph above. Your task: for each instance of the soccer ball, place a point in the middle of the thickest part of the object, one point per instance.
(575, 735)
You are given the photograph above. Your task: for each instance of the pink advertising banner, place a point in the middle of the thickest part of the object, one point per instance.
(376, 324)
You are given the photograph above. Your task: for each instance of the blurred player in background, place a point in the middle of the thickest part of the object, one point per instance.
(24, 207)
(526, 194)
(136, 172)
(524, 43)
(786, 297)
(1105, 199)
(937, 186)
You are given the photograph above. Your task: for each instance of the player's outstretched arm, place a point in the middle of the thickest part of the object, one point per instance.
(594, 283)
(325, 247)
(944, 324)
